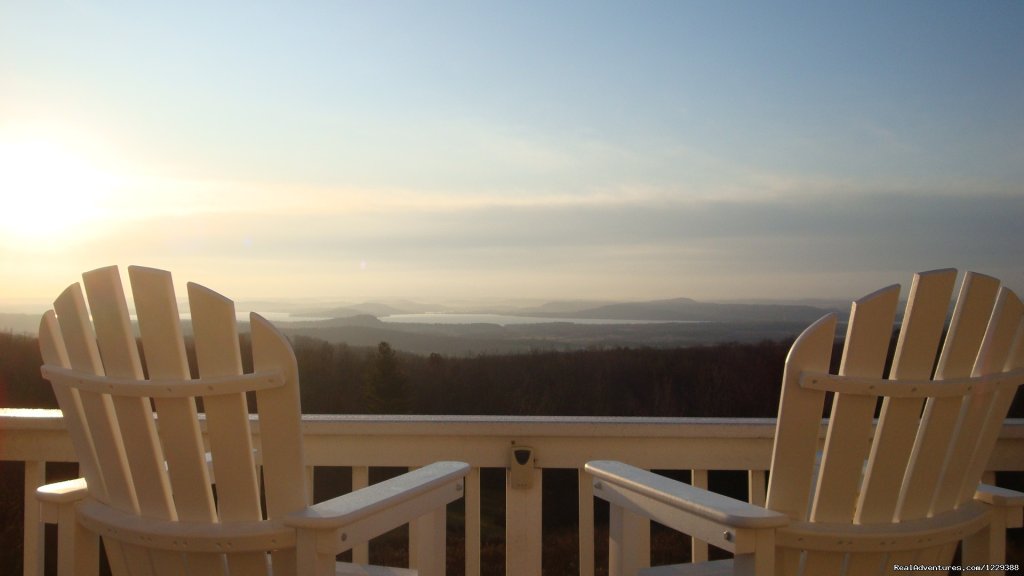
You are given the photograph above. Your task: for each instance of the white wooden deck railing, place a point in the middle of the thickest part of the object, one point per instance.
(697, 444)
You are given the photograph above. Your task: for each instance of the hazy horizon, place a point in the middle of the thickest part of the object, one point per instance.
(545, 150)
(38, 305)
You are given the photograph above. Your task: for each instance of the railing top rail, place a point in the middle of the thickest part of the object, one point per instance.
(30, 418)
(317, 424)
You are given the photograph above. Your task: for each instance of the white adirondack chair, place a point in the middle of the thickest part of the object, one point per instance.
(162, 502)
(904, 490)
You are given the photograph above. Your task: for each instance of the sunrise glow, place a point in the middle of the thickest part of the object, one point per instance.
(52, 193)
(710, 150)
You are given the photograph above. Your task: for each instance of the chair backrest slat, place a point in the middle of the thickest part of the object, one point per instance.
(284, 467)
(959, 351)
(116, 341)
(800, 412)
(284, 476)
(54, 353)
(98, 409)
(165, 357)
(101, 423)
(993, 421)
(975, 409)
(921, 331)
(848, 440)
(185, 456)
(227, 419)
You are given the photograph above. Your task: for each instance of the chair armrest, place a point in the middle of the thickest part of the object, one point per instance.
(52, 497)
(358, 516)
(63, 492)
(698, 501)
(78, 549)
(714, 518)
(1009, 501)
(997, 496)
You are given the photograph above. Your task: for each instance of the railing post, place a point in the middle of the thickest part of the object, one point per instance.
(32, 550)
(586, 531)
(523, 526)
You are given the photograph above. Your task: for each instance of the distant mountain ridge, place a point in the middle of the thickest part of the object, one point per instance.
(683, 322)
(377, 309)
(371, 308)
(672, 309)
(19, 323)
(688, 309)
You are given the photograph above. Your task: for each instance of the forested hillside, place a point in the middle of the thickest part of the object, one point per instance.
(716, 380)
(719, 380)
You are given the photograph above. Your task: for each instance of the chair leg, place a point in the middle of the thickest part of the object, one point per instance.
(629, 537)
(988, 545)
(283, 563)
(760, 562)
(427, 551)
(311, 561)
(78, 549)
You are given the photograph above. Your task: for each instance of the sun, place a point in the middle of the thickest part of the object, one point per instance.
(49, 192)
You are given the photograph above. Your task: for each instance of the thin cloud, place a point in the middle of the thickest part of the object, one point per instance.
(602, 247)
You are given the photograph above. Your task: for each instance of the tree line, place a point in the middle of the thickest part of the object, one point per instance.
(720, 380)
(717, 380)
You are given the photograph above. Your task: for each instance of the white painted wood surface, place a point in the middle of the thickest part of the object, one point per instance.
(39, 435)
(843, 523)
(147, 488)
(849, 434)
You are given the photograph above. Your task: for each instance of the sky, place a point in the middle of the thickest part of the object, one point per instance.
(551, 150)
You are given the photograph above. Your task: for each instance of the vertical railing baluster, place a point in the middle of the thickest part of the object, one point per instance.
(414, 537)
(32, 549)
(699, 548)
(360, 479)
(310, 471)
(473, 520)
(757, 487)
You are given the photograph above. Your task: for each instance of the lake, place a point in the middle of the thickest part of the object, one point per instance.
(500, 319)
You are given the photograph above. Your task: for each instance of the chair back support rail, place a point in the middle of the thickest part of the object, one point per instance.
(164, 501)
(896, 481)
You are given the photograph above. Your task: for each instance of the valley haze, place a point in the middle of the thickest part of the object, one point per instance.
(520, 326)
